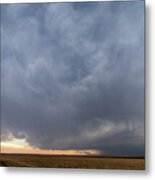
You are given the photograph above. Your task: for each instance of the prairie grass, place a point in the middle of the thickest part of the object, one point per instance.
(60, 161)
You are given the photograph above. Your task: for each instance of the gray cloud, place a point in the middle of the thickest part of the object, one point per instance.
(73, 75)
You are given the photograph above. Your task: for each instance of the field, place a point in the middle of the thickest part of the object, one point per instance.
(62, 161)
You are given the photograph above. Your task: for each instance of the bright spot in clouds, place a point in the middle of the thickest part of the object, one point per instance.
(21, 146)
(15, 143)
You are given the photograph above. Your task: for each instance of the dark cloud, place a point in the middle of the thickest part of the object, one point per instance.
(73, 75)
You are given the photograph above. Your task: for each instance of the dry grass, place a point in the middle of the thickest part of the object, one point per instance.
(86, 162)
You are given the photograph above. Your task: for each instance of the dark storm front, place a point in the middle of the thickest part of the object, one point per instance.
(72, 82)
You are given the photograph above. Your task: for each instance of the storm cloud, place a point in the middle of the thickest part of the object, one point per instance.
(72, 75)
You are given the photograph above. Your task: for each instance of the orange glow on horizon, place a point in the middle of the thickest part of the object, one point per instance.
(22, 147)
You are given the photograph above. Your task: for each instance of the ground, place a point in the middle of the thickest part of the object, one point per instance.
(62, 161)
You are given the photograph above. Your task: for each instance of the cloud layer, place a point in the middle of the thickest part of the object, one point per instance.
(72, 75)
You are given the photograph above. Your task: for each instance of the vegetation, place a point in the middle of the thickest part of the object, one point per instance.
(62, 161)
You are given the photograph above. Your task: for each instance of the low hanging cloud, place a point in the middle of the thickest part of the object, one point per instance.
(72, 75)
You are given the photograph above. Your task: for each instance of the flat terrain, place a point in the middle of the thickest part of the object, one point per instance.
(62, 161)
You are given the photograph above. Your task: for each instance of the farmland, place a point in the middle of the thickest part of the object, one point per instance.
(63, 161)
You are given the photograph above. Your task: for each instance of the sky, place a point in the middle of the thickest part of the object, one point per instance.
(72, 78)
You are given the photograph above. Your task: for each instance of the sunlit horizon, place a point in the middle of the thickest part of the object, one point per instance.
(21, 146)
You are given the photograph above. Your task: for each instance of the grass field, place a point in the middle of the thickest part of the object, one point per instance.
(61, 161)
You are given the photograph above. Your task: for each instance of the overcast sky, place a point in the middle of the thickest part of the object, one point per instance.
(72, 75)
